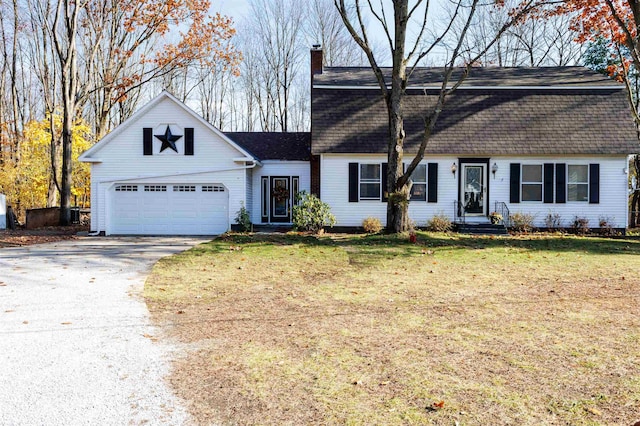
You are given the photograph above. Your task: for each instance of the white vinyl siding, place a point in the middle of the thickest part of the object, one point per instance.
(334, 190)
(123, 162)
(613, 190)
(276, 168)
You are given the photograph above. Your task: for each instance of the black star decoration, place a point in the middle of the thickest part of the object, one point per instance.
(168, 140)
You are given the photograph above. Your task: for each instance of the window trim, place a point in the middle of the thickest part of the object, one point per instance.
(531, 183)
(424, 182)
(126, 188)
(155, 188)
(377, 181)
(587, 183)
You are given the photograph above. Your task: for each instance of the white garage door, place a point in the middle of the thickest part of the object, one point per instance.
(169, 209)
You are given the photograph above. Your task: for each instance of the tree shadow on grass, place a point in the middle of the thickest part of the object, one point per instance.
(396, 245)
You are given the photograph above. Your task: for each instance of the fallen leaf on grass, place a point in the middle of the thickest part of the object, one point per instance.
(593, 411)
(150, 337)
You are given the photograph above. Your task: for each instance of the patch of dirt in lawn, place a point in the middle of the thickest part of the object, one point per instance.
(375, 332)
(25, 237)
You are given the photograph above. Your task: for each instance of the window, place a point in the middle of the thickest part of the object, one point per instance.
(419, 188)
(212, 188)
(127, 188)
(184, 188)
(532, 182)
(578, 183)
(295, 188)
(155, 188)
(370, 181)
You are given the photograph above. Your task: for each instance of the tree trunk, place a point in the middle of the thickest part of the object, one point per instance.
(635, 209)
(398, 201)
(67, 139)
(635, 200)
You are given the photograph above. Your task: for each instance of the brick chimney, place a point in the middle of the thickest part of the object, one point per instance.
(316, 60)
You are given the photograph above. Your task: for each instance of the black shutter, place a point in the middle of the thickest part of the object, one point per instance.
(147, 141)
(353, 182)
(594, 183)
(561, 183)
(432, 182)
(514, 187)
(383, 175)
(188, 141)
(548, 183)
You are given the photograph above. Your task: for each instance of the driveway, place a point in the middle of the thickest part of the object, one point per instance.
(76, 344)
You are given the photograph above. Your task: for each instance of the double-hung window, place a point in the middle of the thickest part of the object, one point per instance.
(578, 183)
(532, 182)
(370, 186)
(419, 188)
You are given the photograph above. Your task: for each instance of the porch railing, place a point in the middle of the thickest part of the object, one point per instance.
(502, 209)
(458, 212)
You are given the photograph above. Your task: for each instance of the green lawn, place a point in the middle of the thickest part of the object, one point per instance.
(352, 329)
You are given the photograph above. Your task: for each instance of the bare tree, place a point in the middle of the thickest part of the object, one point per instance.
(531, 42)
(405, 58)
(277, 27)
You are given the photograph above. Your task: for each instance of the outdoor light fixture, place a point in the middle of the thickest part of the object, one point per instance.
(454, 169)
(494, 169)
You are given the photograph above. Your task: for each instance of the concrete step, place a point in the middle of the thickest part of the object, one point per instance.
(482, 229)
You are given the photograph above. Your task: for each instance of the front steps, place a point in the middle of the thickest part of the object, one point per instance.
(482, 229)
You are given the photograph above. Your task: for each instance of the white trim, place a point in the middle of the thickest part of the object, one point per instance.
(611, 87)
(200, 172)
(86, 156)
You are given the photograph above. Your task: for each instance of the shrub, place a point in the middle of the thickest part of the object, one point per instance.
(606, 225)
(495, 218)
(580, 225)
(311, 214)
(553, 221)
(439, 223)
(522, 222)
(243, 219)
(372, 225)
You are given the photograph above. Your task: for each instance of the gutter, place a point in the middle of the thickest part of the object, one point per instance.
(253, 164)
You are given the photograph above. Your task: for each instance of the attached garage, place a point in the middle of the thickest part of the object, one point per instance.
(168, 209)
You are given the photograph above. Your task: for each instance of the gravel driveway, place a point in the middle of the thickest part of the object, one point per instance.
(76, 344)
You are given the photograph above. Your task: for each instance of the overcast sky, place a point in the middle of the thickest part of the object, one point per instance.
(233, 8)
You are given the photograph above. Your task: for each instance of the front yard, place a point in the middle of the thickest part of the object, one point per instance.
(349, 329)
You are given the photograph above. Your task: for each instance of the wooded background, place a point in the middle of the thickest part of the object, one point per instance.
(73, 71)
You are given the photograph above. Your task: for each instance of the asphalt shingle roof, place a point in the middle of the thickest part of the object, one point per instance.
(478, 77)
(274, 145)
(493, 120)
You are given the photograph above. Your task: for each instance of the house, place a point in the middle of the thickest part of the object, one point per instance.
(528, 140)
(166, 171)
(534, 140)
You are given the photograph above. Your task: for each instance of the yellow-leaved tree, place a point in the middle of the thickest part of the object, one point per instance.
(28, 180)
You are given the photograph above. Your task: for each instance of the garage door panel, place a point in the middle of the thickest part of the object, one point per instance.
(163, 209)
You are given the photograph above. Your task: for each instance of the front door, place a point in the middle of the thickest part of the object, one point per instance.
(280, 200)
(473, 191)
